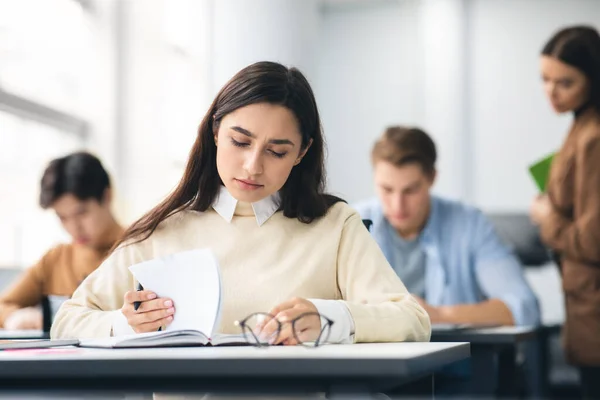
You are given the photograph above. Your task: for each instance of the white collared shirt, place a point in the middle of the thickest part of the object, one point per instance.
(264, 209)
(342, 331)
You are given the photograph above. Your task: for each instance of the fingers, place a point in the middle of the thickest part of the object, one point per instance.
(288, 312)
(150, 316)
(285, 335)
(148, 302)
(267, 331)
(290, 342)
(152, 326)
(152, 313)
(293, 303)
(301, 328)
(309, 321)
(141, 295)
(157, 304)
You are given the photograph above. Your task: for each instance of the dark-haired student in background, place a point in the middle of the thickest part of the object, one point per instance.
(77, 188)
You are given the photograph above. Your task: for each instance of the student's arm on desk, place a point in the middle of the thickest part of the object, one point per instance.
(511, 300)
(380, 305)
(489, 312)
(26, 291)
(96, 304)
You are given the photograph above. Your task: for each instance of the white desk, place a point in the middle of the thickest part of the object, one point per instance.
(496, 335)
(24, 334)
(493, 356)
(352, 369)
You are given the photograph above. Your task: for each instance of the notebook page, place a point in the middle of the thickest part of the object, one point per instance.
(192, 280)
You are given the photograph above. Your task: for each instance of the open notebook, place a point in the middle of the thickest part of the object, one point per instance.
(166, 339)
(192, 280)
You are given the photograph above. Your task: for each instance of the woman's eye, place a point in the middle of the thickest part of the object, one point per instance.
(566, 84)
(278, 155)
(239, 144)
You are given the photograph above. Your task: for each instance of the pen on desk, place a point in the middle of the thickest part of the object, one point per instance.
(136, 304)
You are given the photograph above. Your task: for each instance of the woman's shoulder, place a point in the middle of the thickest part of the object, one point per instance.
(340, 213)
(174, 225)
(589, 138)
(179, 223)
(590, 130)
(173, 229)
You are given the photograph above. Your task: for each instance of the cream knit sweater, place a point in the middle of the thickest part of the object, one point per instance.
(332, 258)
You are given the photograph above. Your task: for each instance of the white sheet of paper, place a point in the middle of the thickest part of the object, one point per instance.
(192, 280)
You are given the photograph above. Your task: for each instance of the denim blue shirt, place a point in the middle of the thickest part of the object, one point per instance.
(466, 262)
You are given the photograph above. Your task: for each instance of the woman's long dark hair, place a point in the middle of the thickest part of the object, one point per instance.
(579, 47)
(302, 195)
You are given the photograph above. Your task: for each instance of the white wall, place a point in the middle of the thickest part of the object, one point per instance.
(167, 89)
(365, 81)
(247, 31)
(511, 121)
(465, 70)
(442, 80)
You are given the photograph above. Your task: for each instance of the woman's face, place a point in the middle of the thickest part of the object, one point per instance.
(567, 87)
(257, 147)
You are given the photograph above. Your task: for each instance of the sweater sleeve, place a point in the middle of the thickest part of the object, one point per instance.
(96, 303)
(382, 308)
(578, 239)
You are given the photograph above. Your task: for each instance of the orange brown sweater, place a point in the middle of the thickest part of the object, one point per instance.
(59, 272)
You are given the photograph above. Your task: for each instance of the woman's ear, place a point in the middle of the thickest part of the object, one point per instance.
(303, 153)
(215, 129)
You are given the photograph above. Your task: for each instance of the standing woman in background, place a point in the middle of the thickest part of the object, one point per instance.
(569, 215)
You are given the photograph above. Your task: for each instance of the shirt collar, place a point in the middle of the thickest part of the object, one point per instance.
(264, 209)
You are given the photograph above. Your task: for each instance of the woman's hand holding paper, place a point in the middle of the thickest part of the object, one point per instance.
(152, 313)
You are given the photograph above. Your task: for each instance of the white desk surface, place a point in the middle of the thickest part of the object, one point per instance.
(213, 369)
(503, 330)
(496, 335)
(371, 351)
(21, 334)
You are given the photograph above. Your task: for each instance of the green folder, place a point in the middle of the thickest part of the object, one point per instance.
(540, 171)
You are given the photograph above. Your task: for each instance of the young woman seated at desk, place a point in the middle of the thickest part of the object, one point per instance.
(253, 192)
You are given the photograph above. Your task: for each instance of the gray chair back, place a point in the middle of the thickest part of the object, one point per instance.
(517, 231)
(8, 276)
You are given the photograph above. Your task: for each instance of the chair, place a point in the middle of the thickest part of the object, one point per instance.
(517, 230)
(50, 305)
(7, 276)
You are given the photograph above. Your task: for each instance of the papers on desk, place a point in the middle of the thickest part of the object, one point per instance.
(193, 281)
